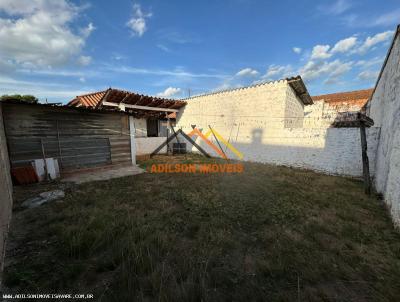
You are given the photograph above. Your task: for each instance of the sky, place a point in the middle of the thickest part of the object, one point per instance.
(56, 50)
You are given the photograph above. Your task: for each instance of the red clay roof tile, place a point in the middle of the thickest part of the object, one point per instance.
(87, 100)
(357, 97)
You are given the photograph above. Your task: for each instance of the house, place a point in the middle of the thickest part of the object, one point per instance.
(99, 129)
(327, 108)
(76, 137)
(151, 113)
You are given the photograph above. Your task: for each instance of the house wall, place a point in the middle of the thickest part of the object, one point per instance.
(384, 109)
(294, 109)
(5, 192)
(146, 145)
(257, 106)
(85, 138)
(322, 114)
(265, 123)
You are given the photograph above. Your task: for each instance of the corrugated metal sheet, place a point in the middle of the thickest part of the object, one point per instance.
(76, 139)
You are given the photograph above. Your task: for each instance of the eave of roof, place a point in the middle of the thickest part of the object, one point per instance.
(301, 90)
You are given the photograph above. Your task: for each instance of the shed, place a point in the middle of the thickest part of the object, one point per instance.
(76, 137)
(150, 113)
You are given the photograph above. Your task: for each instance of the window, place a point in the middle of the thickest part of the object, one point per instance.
(152, 128)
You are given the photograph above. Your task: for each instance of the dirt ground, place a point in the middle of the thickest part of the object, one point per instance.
(267, 234)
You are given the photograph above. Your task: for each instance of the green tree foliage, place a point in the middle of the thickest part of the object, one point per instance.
(21, 98)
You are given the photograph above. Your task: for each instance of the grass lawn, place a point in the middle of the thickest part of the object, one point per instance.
(267, 234)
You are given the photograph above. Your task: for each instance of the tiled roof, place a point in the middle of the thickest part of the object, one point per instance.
(87, 100)
(117, 96)
(357, 97)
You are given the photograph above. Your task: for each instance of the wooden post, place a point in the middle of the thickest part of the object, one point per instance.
(46, 170)
(168, 149)
(367, 179)
(59, 144)
(132, 139)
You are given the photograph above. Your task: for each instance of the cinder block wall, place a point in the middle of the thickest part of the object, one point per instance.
(385, 111)
(5, 192)
(266, 124)
(322, 114)
(249, 107)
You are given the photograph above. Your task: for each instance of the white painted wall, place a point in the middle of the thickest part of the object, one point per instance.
(384, 109)
(146, 145)
(256, 121)
(322, 114)
(262, 105)
(328, 150)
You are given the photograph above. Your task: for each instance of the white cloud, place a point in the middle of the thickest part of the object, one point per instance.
(370, 62)
(344, 45)
(277, 71)
(337, 8)
(84, 60)
(247, 72)
(320, 52)
(163, 47)
(88, 30)
(374, 40)
(117, 57)
(82, 80)
(52, 90)
(160, 72)
(137, 23)
(37, 33)
(297, 49)
(330, 70)
(387, 19)
(170, 92)
(368, 75)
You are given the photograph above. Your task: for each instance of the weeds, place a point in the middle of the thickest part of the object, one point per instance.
(270, 233)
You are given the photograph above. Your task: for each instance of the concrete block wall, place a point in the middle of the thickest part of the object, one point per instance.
(5, 192)
(322, 114)
(384, 109)
(335, 151)
(265, 123)
(257, 105)
(294, 110)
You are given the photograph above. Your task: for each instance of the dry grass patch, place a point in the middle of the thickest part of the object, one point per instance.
(270, 233)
